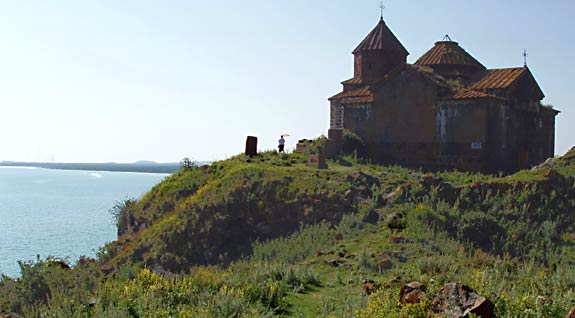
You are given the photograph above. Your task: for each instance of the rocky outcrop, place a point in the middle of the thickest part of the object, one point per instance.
(412, 293)
(455, 300)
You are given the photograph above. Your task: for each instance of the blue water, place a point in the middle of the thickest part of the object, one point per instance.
(60, 213)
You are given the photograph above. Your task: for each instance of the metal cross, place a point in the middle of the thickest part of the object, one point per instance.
(524, 57)
(381, 7)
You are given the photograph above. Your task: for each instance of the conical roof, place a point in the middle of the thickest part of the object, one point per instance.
(447, 53)
(381, 38)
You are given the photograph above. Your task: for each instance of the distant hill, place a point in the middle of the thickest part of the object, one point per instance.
(140, 166)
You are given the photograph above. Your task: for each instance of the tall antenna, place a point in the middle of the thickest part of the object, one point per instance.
(524, 57)
(381, 7)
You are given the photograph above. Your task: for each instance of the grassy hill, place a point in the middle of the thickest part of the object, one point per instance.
(269, 236)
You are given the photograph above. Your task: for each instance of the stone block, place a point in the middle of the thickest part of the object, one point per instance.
(251, 146)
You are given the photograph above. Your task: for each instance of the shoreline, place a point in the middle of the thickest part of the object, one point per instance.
(159, 168)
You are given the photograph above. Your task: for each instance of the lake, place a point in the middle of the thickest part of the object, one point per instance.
(60, 213)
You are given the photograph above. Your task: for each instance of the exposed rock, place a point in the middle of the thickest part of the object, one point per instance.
(554, 177)
(398, 239)
(85, 261)
(395, 221)
(349, 194)
(369, 286)
(398, 194)
(351, 255)
(106, 268)
(371, 217)
(397, 279)
(159, 269)
(321, 252)
(412, 293)
(549, 163)
(455, 300)
(386, 263)
(62, 264)
(363, 178)
(333, 262)
(429, 180)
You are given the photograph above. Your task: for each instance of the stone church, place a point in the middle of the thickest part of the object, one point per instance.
(445, 111)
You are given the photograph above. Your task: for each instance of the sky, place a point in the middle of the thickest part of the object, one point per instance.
(109, 80)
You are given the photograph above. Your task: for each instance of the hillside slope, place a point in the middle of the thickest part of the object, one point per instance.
(212, 215)
(270, 236)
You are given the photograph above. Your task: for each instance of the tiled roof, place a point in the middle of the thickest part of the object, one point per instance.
(381, 38)
(359, 95)
(358, 100)
(353, 81)
(450, 53)
(471, 94)
(498, 78)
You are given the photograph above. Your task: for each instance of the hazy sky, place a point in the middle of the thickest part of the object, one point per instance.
(97, 81)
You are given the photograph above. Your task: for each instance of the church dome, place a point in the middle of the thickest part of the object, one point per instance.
(450, 60)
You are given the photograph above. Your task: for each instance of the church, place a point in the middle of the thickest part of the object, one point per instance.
(445, 111)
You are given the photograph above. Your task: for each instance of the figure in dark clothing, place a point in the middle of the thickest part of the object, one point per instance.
(282, 143)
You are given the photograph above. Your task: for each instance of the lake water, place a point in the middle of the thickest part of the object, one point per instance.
(60, 213)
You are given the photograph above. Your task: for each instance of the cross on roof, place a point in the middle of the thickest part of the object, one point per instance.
(381, 7)
(525, 57)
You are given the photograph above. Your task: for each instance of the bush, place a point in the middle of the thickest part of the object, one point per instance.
(119, 209)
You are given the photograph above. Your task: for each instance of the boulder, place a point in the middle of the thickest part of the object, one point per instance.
(455, 300)
(554, 177)
(412, 293)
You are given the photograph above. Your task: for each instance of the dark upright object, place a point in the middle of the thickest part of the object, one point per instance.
(251, 146)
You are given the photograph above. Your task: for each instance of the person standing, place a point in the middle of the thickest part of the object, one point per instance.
(281, 143)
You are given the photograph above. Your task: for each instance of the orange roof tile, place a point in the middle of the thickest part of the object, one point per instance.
(381, 38)
(498, 78)
(448, 52)
(353, 81)
(357, 100)
(471, 94)
(358, 95)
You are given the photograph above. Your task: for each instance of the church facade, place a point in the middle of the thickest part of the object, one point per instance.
(445, 111)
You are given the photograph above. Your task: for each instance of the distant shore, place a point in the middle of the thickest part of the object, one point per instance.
(147, 167)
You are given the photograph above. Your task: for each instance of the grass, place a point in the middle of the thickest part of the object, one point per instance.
(269, 236)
